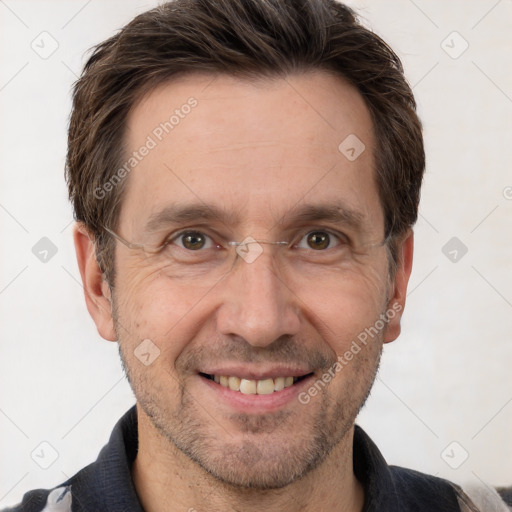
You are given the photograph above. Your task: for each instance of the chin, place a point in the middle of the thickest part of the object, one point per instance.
(249, 466)
(272, 459)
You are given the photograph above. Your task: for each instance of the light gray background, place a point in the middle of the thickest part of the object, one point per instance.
(448, 378)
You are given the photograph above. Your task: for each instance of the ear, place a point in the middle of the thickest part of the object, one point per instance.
(396, 303)
(96, 289)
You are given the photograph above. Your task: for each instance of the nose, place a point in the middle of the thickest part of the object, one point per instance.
(257, 303)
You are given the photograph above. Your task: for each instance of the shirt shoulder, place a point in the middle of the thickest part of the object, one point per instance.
(418, 487)
(424, 492)
(105, 485)
(45, 500)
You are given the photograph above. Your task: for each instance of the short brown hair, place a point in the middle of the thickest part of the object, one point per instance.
(250, 39)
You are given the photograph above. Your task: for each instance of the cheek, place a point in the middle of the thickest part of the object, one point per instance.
(153, 306)
(347, 304)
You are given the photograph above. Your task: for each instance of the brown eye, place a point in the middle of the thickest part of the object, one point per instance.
(193, 240)
(318, 240)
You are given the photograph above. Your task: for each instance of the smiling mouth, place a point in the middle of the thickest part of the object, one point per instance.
(255, 387)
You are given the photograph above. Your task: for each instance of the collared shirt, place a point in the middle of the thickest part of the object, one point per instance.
(107, 484)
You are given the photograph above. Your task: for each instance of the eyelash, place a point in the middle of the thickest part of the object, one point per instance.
(341, 237)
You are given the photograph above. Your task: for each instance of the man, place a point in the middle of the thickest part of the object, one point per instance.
(245, 177)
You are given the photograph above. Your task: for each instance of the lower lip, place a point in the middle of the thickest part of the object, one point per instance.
(255, 404)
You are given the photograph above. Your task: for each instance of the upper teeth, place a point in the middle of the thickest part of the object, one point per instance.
(254, 387)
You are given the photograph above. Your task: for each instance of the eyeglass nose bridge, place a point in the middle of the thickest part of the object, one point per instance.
(250, 240)
(250, 252)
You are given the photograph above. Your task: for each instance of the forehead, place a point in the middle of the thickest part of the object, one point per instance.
(255, 147)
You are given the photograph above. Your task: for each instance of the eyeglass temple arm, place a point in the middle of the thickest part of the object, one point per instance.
(130, 245)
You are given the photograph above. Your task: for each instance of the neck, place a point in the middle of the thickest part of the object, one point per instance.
(166, 480)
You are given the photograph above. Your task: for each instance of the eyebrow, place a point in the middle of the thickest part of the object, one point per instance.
(181, 213)
(336, 213)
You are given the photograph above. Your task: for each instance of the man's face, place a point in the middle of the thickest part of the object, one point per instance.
(261, 153)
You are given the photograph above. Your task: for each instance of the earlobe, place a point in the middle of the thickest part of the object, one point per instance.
(96, 290)
(396, 303)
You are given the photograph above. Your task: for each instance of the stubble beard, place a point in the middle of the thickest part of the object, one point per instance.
(267, 452)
